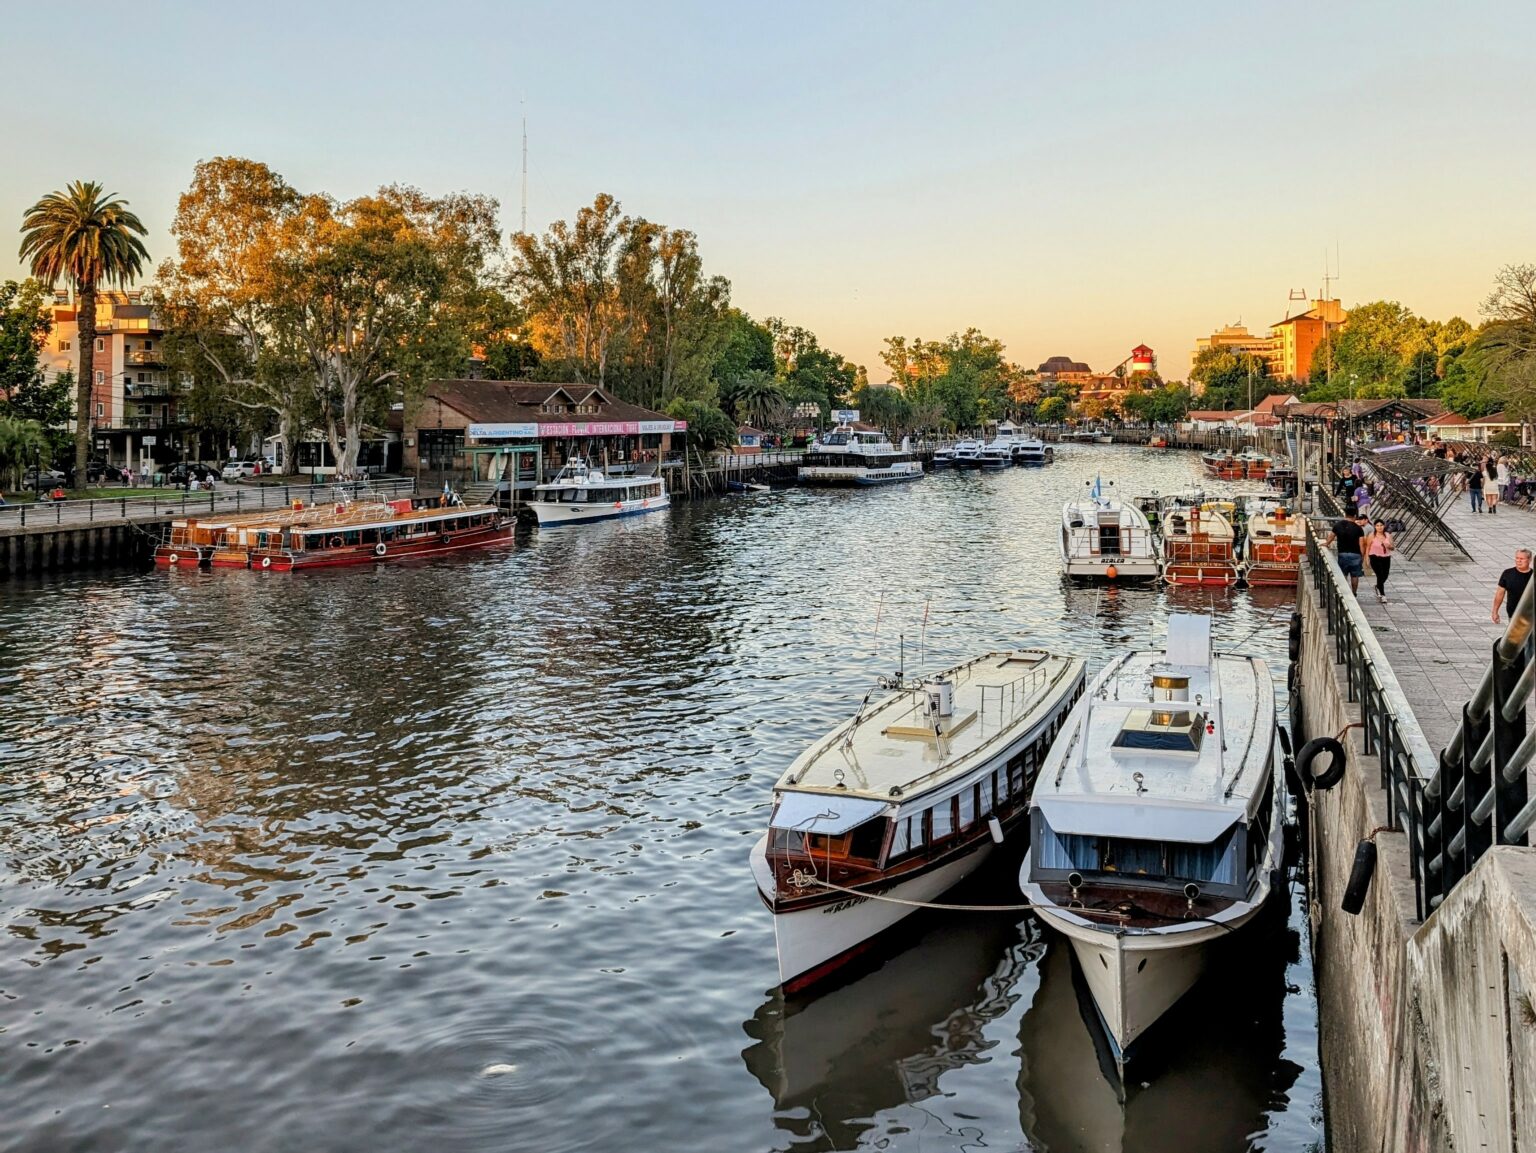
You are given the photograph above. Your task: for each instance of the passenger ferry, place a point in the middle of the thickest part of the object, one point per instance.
(1156, 824)
(1105, 539)
(369, 536)
(859, 457)
(580, 494)
(903, 801)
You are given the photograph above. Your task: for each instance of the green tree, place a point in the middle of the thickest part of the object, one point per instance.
(1052, 410)
(708, 428)
(89, 239)
(24, 327)
(885, 407)
(1223, 378)
(759, 399)
(21, 441)
(1498, 370)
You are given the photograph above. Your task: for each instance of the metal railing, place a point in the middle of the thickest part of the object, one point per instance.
(158, 504)
(1391, 734)
(1478, 798)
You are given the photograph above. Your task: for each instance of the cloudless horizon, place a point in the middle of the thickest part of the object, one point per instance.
(1071, 182)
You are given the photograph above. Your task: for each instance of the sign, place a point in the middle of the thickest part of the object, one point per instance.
(502, 431)
(845, 415)
(810, 410)
(148, 441)
(610, 427)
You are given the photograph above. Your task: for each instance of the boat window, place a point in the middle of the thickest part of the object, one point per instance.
(1161, 730)
(1067, 851)
(863, 842)
(786, 841)
(1214, 864)
(1000, 783)
(943, 819)
(967, 801)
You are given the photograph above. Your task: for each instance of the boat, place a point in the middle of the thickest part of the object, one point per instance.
(1032, 452)
(1155, 826)
(1103, 438)
(966, 454)
(1103, 538)
(1157, 442)
(1223, 463)
(1081, 435)
(580, 494)
(1199, 546)
(1255, 464)
(994, 457)
(943, 458)
(1277, 543)
(858, 457)
(399, 530)
(226, 541)
(903, 801)
(747, 486)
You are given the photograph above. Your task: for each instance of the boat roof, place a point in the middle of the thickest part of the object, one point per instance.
(1094, 775)
(889, 752)
(1087, 510)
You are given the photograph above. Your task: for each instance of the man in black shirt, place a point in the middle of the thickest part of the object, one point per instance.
(1348, 534)
(1512, 582)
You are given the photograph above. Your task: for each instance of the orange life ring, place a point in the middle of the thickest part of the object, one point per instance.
(1283, 552)
(618, 504)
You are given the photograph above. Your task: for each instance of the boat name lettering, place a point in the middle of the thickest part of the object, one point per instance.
(842, 905)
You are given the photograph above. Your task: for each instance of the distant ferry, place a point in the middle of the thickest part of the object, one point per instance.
(848, 456)
(580, 494)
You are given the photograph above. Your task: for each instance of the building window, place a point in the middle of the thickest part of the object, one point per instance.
(141, 378)
(65, 345)
(148, 345)
(100, 410)
(101, 345)
(101, 378)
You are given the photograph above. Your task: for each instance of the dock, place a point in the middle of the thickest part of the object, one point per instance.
(1425, 996)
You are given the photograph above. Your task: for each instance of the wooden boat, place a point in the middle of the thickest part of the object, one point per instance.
(1254, 463)
(1155, 826)
(903, 801)
(1198, 547)
(335, 539)
(192, 540)
(1277, 542)
(1105, 539)
(1223, 463)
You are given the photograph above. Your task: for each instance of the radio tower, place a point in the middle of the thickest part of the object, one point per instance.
(523, 230)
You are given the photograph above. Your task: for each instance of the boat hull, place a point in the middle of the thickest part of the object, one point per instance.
(1209, 574)
(1097, 568)
(364, 554)
(553, 515)
(816, 941)
(859, 476)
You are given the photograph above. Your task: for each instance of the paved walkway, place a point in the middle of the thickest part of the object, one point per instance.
(1436, 627)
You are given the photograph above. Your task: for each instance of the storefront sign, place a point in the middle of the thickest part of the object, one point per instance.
(612, 427)
(502, 431)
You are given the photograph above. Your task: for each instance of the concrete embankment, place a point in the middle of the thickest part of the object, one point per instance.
(1427, 1030)
(54, 548)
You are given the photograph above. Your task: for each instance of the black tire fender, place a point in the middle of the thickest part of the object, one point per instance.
(1330, 776)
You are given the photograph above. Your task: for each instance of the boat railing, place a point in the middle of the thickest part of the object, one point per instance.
(1010, 692)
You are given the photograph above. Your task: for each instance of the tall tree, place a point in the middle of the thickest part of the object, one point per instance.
(88, 238)
(24, 328)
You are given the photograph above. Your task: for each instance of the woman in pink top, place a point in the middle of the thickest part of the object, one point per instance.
(1379, 548)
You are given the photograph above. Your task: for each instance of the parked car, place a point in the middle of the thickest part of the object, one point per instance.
(41, 479)
(180, 474)
(239, 469)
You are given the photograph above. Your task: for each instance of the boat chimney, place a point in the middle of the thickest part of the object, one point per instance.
(1169, 686)
(941, 698)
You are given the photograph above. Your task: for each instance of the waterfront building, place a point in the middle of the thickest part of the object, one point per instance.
(1294, 340)
(522, 432)
(134, 417)
(1063, 370)
(1499, 424)
(1234, 338)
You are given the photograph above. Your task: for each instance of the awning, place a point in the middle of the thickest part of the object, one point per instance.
(821, 813)
(1141, 822)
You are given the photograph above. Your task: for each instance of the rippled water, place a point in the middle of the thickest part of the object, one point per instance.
(453, 855)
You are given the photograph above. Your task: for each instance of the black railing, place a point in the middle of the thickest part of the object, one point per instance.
(1390, 732)
(1478, 798)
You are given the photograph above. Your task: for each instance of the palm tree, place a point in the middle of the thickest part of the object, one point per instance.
(86, 238)
(759, 398)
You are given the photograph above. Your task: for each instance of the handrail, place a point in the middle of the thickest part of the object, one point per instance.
(1478, 797)
(1391, 733)
(158, 504)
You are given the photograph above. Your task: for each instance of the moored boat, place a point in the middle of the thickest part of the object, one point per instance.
(849, 456)
(1223, 463)
(1199, 546)
(371, 536)
(1277, 542)
(1255, 464)
(1103, 538)
(1032, 452)
(1155, 826)
(580, 494)
(903, 801)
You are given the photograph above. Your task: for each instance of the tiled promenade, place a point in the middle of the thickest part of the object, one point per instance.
(1436, 627)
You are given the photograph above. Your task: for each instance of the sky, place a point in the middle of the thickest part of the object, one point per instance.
(1072, 179)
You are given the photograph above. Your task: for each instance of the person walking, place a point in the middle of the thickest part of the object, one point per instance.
(1491, 485)
(1474, 483)
(1512, 582)
(1363, 498)
(1348, 534)
(1379, 549)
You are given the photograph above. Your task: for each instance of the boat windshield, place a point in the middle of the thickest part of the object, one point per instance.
(1159, 730)
(1215, 863)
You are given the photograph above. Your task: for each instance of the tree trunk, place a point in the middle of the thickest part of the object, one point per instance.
(85, 318)
(350, 431)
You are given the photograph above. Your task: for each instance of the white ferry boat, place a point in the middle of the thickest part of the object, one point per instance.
(580, 494)
(855, 456)
(1103, 538)
(1155, 826)
(903, 801)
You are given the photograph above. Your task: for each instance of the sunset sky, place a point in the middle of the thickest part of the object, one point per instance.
(1073, 179)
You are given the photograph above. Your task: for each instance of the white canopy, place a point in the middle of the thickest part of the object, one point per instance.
(822, 813)
(1138, 821)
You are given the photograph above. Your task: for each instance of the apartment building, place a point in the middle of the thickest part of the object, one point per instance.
(1234, 338)
(133, 396)
(1295, 339)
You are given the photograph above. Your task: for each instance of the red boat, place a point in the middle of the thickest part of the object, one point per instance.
(1198, 548)
(397, 535)
(1276, 543)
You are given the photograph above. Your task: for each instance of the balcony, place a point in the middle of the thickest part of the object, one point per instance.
(140, 357)
(136, 423)
(144, 389)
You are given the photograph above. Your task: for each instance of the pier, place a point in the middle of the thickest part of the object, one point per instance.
(1427, 1021)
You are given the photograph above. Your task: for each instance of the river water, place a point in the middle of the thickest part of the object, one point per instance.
(453, 855)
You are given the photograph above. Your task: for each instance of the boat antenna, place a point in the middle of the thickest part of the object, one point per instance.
(901, 662)
(922, 641)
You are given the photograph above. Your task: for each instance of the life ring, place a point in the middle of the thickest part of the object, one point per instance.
(1330, 776)
(379, 549)
(1283, 552)
(335, 542)
(174, 558)
(266, 562)
(619, 504)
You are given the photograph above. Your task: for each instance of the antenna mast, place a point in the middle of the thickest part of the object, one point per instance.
(523, 230)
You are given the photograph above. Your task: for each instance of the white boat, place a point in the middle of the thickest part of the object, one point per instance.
(1032, 452)
(1155, 826)
(966, 454)
(857, 457)
(904, 801)
(580, 494)
(1103, 538)
(1104, 438)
